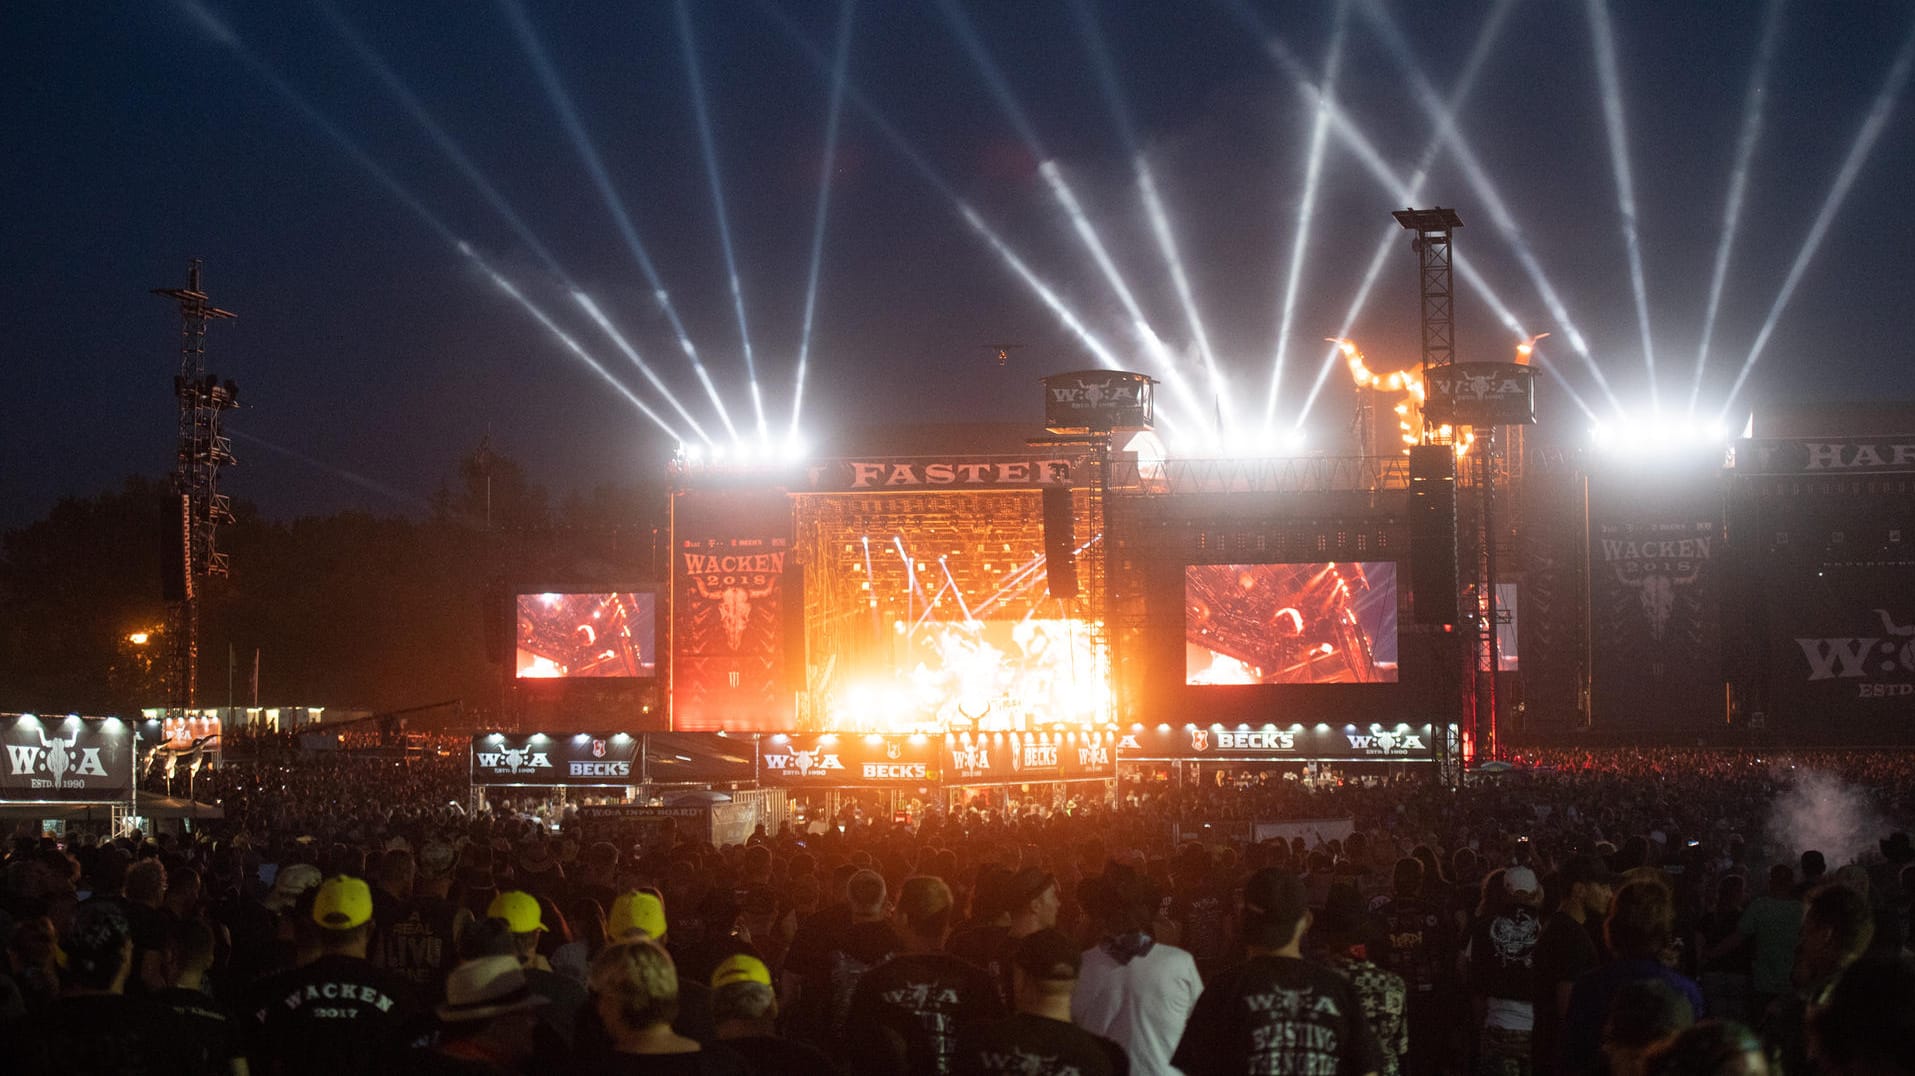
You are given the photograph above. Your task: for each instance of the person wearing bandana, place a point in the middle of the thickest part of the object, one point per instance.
(1131, 988)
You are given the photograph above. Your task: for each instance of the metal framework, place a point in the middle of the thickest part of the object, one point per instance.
(1432, 245)
(202, 452)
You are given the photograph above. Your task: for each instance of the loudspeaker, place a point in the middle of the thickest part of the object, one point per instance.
(793, 614)
(1433, 582)
(1060, 543)
(176, 549)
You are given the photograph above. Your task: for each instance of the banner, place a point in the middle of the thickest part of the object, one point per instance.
(1218, 743)
(1851, 455)
(730, 553)
(842, 760)
(66, 759)
(896, 474)
(539, 760)
(1656, 635)
(1482, 394)
(1842, 654)
(1020, 757)
(1097, 400)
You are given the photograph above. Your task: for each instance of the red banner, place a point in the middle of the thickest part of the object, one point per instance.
(730, 553)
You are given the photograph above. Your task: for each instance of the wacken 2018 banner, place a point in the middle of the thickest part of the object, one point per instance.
(1842, 653)
(730, 552)
(65, 759)
(1656, 645)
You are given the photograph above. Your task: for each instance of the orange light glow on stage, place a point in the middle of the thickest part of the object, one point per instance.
(989, 675)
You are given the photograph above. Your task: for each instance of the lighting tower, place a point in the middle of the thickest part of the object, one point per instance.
(1432, 246)
(196, 508)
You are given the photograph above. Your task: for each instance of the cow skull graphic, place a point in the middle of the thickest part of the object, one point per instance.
(734, 611)
(59, 756)
(1658, 597)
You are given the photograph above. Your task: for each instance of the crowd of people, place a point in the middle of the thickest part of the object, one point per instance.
(1628, 912)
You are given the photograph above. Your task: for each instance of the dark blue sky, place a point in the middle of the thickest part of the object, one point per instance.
(367, 343)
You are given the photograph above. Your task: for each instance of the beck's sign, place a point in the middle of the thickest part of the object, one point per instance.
(558, 759)
(1273, 743)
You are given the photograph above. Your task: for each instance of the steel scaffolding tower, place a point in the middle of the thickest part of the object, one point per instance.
(200, 508)
(1432, 245)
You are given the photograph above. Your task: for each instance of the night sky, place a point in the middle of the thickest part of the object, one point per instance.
(371, 353)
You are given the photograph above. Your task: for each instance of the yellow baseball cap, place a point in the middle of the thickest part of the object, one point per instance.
(519, 909)
(342, 903)
(740, 968)
(636, 910)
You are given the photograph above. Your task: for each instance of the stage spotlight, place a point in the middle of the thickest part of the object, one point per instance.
(1603, 36)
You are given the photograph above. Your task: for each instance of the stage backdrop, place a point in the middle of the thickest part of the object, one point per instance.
(730, 552)
(1842, 653)
(1656, 659)
(65, 759)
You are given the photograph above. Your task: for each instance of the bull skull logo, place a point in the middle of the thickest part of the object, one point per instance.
(734, 611)
(59, 756)
(1658, 597)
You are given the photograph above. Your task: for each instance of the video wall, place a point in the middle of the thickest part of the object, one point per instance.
(595, 635)
(994, 674)
(1329, 622)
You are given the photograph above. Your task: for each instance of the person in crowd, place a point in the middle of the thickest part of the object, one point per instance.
(1130, 988)
(1837, 925)
(1565, 951)
(145, 911)
(1770, 924)
(1277, 1013)
(636, 992)
(1039, 1039)
(1710, 1048)
(209, 1035)
(1644, 1016)
(1866, 1026)
(1346, 936)
(744, 1011)
(95, 1026)
(337, 1013)
(487, 1022)
(824, 982)
(1502, 973)
(1421, 950)
(1639, 928)
(907, 1012)
(520, 912)
(1724, 978)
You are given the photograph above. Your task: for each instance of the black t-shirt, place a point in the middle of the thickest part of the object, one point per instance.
(1564, 951)
(917, 1003)
(337, 1015)
(101, 1033)
(1420, 947)
(1028, 1045)
(209, 1036)
(1502, 954)
(983, 944)
(768, 1056)
(1278, 1015)
(416, 941)
(831, 972)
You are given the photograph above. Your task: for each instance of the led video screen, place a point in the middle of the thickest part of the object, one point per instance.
(987, 674)
(1321, 623)
(587, 635)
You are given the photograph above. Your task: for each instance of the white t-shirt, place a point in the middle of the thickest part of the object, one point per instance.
(1141, 1005)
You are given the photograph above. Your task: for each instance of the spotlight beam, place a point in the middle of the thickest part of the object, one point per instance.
(351, 477)
(1053, 177)
(565, 339)
(933, 178)
(1746, 138)
(465, 166)
(601, 179)
(1312, 175)
(217, 28)
(839, 69)
(1871, 130)
(1484, 187)
(1604, 35)
(1160, 226)
(708, 146)
(951, 582)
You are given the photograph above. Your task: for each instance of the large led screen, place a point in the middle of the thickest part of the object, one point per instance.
(1324, 623)
(567, 636)
(985, 674)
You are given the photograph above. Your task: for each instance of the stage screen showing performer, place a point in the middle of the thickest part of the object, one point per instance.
(563, 636)
(1323, 623)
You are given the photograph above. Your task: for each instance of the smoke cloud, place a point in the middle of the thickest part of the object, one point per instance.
(1823, 812)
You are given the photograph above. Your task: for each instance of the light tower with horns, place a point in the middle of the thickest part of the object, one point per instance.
(195, 507)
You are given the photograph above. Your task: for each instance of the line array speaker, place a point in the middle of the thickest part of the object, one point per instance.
(1060, 543)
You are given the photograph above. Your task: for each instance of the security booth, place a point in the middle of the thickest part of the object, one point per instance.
(59, 764)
